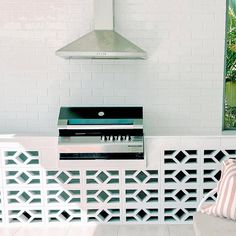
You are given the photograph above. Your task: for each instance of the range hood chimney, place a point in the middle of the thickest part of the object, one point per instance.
(103, 42)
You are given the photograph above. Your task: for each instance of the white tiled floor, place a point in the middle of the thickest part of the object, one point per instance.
(100, 230)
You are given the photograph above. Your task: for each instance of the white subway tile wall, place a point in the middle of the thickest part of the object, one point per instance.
(180, 85)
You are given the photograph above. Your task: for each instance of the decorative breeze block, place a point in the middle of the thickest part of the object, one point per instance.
(180, 156)
(182, 195)
(186, 176)
(69, 215)
(22, 197)
(142, 214)
(25, 215)
(103, 196)
(141, 196)
(178, 214)
(211, 175)
(102, 177)
(63, 177)
(217, 156)
(23, 177)
(21, 158)
(103, 215)
(141, 176)
(63, 196)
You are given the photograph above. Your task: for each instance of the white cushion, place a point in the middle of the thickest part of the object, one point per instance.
(207, 225)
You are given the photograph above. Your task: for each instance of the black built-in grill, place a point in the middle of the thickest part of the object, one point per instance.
(88, 133)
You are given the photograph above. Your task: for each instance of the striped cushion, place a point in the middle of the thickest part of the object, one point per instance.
(225, 205)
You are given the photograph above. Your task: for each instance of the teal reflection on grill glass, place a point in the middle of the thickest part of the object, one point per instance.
(100, 122)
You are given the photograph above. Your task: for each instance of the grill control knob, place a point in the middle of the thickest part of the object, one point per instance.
(127, 138)
(119, 138)
(111, 138)
(103, 138)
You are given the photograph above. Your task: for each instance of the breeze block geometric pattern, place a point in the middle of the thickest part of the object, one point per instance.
(141, 191)
(167, 193)
(181, 178)
(211, 164)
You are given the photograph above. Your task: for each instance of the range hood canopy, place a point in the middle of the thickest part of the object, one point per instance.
(103, 42)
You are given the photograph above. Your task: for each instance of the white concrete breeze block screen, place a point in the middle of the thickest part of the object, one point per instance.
(179, 173)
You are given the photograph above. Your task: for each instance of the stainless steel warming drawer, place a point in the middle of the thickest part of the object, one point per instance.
(111, 133)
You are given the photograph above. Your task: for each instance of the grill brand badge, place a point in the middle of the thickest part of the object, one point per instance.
(101, 113)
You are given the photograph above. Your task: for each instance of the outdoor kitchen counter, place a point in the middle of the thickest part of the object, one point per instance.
(155, 148)
(47, 146)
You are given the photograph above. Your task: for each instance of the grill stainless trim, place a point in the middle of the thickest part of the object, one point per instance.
(103, 156)
(100, 148)
(100, 127)
(77, 140)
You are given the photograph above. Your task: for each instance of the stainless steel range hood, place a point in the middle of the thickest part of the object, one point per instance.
(103, 42)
